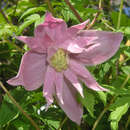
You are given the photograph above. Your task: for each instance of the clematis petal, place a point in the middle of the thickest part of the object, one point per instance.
(49, 88)
(55, 28)
(31, 72)
(85, 76)
(59, 86)
(71, 46)
(71, 107)
(74, 81)
(28, 40)
(33, 43)
(105, 45)
(74, 29)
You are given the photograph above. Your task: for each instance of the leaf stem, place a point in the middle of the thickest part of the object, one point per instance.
(73, 10)
(120, 13)
(108, 105)
(50, 7)
(107, 25)
(62, 123)
(19, 107)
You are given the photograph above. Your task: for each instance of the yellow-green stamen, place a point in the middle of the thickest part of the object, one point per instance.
(59, 60)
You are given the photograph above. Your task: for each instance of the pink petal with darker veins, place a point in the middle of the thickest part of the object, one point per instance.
(74, 81)
(49, 88)
(31, 72)
(104, 46)
(85, 76)
(71, 107)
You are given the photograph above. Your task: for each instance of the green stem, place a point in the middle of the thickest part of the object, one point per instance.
(107, 25)
(120, 13)
(19, 107)
(108, 105)
(127, 123)
(62, 123)
(7, 51)
(50, 7)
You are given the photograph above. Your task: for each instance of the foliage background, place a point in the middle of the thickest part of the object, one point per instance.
(20, 17)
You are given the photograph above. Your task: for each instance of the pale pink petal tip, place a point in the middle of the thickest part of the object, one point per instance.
(14, 81)
(81, 25)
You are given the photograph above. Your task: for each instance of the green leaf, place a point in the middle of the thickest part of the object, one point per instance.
(102, 96)
(119, 102)
(54, 123)
(31, 19)
(20, 125)
(116, 115)
(32, 11)
(7, 113)
(88, 101)
(126, 70)
(114, 125)
(39, 21)
(127, 53)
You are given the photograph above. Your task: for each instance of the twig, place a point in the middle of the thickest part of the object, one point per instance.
(120, 13)
(93, 21)
(19, 107)
(108, 105)
(4, 15)
(73, 10)
(62, 123)
(50, 7)
(96, 15)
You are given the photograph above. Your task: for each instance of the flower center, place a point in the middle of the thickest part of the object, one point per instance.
(59, 60)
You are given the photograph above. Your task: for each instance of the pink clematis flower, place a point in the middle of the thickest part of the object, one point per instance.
(57, 57)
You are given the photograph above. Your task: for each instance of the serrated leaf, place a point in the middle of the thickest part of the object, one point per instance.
(119, 112)
(116, 115)
(31, 19)
(126, 70)
(32, 11)
(127, 53)
(54, 123)
(7, 113)
(119, 102)
(106, 67)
